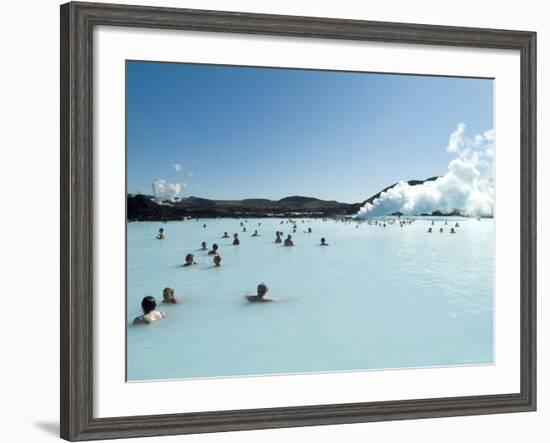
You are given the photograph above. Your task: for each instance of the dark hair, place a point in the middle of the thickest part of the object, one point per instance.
(322, 239)
(148, 304)
(215, 246)
(161, 229)
(262, 287)
(189, 257)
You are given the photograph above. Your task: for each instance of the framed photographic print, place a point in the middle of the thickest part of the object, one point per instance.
(273, 221)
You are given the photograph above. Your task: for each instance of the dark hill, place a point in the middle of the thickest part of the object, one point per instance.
(143, 207)
(299, 199)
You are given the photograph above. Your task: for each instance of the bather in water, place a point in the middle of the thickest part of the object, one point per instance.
(260, 296)
(214, 249)
(150, 312)
(255, 233)
(323, 242)
(236, 240)
(278, 238)
(430, 230)
(160, 235)
(225, 235)
(217, 260)
(169, 297)
(288, 241)
(190, 260)
(204, 246)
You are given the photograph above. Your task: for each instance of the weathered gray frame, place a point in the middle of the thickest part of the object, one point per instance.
(77, 23)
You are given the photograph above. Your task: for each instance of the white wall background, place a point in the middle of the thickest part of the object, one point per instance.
(29, 184)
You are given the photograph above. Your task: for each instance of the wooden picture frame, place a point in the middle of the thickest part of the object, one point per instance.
(77, 23)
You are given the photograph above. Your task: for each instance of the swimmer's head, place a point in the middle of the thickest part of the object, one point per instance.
(161, 230)
(262, 289)
(235, 235)
(218, 260)
(148, 304)
(168, 294)
(323, 241)
(203, 245)
(189, 258)
(215, 246)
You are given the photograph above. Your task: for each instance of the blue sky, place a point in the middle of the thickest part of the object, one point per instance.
(240, 132)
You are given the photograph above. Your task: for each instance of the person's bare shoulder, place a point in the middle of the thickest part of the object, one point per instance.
(139, 321)
(255, 298)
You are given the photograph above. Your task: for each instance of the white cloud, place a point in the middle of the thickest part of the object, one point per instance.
(467, 186)
(456, 139)
(177, 167)
(163, 190)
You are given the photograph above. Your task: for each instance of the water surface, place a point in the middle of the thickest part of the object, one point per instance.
(375, 298)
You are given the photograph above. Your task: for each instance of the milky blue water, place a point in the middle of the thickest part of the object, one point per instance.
(375, 298)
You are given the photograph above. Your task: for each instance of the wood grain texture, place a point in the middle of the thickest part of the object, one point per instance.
(77, 23)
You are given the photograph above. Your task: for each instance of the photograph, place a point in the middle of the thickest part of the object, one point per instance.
(286, 221)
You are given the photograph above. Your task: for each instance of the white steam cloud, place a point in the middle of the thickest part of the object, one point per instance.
(163, 190)
(467, 187)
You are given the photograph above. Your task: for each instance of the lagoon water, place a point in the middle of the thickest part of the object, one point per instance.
(376, 298)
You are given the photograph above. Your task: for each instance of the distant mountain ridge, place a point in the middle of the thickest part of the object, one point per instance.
(143, 207)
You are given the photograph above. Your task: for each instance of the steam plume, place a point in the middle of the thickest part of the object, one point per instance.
(163, 190)
(466, 187)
